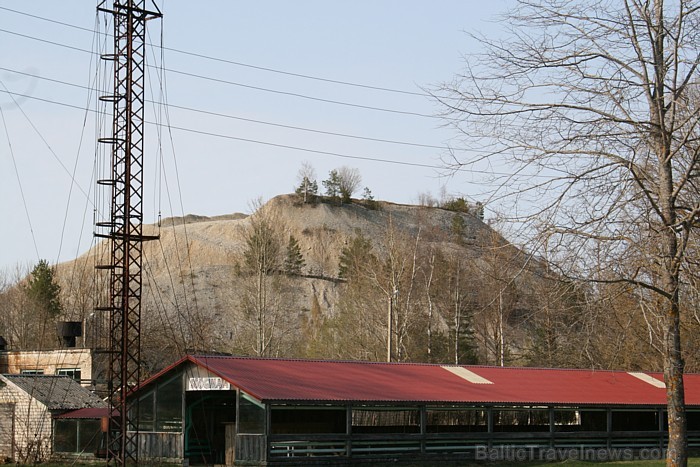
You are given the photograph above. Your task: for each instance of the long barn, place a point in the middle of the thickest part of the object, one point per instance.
(221, 410)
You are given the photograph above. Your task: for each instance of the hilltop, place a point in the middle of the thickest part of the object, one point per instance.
(450, 273)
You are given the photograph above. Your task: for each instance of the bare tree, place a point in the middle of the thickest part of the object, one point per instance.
(349, 179)
(590, 103)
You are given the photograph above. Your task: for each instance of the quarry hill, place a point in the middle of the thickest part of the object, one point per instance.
(198, 295)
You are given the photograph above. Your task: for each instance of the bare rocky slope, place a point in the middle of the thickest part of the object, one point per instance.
(190, 281)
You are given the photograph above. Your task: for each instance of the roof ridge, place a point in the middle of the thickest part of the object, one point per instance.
(363, 362)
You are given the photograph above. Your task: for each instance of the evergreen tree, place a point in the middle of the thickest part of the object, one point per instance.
(43, 289)
(368, 199)
(456, 205)
(356, 256)
(294, 262)
(307, 190)
(332, 185)
(459, 227)
(262, 247)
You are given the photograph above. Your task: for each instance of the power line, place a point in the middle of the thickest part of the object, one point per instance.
(36, 130)
(19, 182)
(247, 86)
(267, 143)
(298, 148)
(251, 120)
(303, 96)
(241, 64)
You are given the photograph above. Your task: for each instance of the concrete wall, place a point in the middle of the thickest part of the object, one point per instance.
(49, 361)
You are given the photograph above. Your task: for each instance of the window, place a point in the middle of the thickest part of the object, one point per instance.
(456, 420)
(251, 416)
(385, 420)
(169, 405)
(160, 409)
(519, 419)
(306, 420)
(77, 435)
(33, 371)
(70, 372)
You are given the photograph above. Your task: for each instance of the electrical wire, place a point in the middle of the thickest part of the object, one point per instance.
(164, 106)
(250, 120)
(247, 86)
(298, 148)
(36, 130)
(241, 64)
(19, 182)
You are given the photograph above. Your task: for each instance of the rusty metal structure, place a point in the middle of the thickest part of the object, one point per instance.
(124, 229)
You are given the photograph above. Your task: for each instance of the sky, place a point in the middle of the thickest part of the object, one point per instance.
(235, 78)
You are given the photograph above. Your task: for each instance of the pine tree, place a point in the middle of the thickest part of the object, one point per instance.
(43, 289)
(355, 256)
(294, 261)
(368, 199)
(332, 185)
(459, 227)
(307, 190)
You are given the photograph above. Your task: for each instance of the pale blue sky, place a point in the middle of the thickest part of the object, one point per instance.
(402, 45)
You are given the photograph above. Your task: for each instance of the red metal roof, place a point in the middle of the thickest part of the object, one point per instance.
(92, 412)
(330, 381)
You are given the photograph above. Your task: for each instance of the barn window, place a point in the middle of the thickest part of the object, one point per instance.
(568, 420)
(308, 420)
(385, 420)
(160, 409)
(169, 405)
(635, 420)
(251, 415)
(456, 420)
(521, 419)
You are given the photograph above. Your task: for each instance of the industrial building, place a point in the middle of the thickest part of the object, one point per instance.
(254, 411)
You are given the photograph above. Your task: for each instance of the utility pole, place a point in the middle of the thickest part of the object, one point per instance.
(124, 229)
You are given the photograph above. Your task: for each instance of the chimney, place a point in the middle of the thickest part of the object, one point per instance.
(68, 331)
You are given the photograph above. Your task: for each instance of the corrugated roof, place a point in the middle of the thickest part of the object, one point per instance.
(332, 381)
(92, 412)
(56, 392)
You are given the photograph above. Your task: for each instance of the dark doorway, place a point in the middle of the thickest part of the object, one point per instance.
(206, 413)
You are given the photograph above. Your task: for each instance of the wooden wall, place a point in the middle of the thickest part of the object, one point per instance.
(160, 446)
(251, 448)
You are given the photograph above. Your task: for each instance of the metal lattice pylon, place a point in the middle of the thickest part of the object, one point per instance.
(124, 227)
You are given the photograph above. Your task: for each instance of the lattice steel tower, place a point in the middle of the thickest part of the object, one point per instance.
(124, 226)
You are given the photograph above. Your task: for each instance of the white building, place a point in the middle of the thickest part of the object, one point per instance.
(28, 403)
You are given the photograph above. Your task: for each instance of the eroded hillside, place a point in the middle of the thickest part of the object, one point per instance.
(456, 289)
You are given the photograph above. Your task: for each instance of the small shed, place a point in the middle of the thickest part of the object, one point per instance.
(255, 411)
(28, 404)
